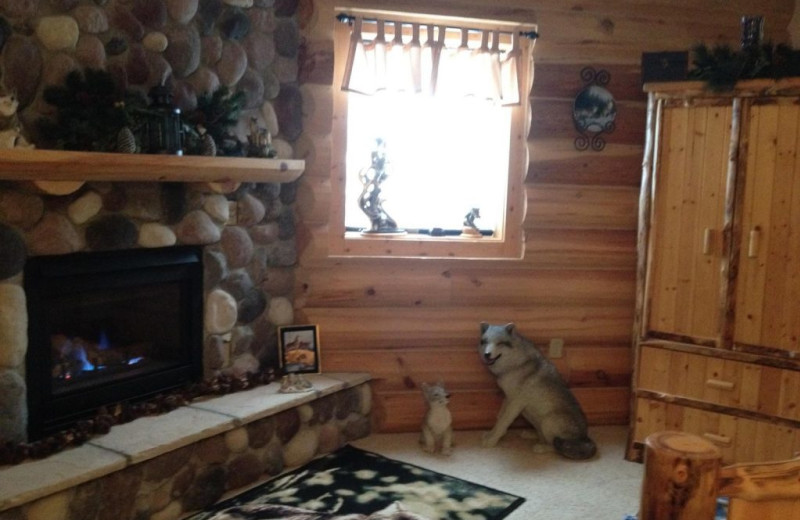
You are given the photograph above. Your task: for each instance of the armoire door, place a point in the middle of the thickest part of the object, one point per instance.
(768, 280)
(685, 253)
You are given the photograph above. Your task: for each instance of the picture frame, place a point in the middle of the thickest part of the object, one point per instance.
(299, 349)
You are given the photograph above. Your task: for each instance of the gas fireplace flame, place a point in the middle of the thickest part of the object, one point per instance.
(76, 356)
(80, 354)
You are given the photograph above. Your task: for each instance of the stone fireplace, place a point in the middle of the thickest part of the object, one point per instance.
(245, 235)
(160, 467)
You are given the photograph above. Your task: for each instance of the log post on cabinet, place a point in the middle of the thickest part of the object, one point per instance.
(642, 234)
(680, 477)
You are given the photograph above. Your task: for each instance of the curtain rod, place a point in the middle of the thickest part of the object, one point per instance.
(348, 19)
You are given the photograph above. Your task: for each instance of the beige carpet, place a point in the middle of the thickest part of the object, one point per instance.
(606, 487)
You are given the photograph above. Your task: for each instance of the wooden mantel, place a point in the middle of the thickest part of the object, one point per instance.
(55, 165)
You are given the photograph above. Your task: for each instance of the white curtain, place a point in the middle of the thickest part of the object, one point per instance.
(424, 58)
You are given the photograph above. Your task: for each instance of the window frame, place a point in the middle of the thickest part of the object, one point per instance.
(511, 246)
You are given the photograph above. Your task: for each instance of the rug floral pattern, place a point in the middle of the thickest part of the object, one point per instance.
(354, 481)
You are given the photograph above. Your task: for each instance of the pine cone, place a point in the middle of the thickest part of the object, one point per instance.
(208, 146)
(126, 142)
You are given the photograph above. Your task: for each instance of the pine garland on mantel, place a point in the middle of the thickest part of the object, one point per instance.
(123, 412)
(721, 66)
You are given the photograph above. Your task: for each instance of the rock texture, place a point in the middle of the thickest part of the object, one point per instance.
(193, 46)
(187, 479)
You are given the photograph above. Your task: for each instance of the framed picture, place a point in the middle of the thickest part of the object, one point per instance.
(299, 349)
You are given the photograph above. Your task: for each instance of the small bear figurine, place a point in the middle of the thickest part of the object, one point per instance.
(437, 429)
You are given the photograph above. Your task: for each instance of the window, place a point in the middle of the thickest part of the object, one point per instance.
(452, 125)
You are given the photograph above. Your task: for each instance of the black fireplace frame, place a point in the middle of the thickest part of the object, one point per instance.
(48, 412)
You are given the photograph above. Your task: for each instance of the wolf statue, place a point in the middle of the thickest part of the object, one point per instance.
(534, 388)
(437, 428)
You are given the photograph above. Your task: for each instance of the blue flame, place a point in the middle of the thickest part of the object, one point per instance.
(80, 356)
(102, 341)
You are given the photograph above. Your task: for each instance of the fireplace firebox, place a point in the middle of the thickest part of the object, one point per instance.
(108, 327)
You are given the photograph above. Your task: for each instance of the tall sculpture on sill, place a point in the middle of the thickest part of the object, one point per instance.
(370, 199)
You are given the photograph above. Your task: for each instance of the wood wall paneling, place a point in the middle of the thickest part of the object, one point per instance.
(414, 320)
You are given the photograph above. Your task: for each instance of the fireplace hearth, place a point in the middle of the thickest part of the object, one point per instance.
(108, 327)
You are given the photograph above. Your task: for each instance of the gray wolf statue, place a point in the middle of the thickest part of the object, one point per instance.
(437, 428)
(534, 388)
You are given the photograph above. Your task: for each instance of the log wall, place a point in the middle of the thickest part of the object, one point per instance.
(410, 320)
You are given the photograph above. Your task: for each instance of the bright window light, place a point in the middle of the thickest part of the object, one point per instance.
(445, 156)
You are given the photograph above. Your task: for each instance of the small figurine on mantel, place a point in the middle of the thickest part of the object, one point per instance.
(294, 383)
(11, 133)
(370, 200)
(259, 141)
(470, 229)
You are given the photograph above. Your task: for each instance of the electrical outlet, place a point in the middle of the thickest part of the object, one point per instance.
(556, 349)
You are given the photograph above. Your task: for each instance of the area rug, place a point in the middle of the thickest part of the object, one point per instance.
(351, 481)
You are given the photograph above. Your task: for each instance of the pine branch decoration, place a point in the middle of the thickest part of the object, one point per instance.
(91, 112)
(218, 113)
(721, 67)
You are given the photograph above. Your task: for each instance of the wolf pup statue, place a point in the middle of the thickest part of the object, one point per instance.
(437, 428)
(534, 388)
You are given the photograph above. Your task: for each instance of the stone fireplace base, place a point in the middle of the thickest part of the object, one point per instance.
(163, 467)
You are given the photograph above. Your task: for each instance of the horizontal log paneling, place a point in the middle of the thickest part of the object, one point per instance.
(557, 161)
(588, 168)
(581, 249)
(550, 287)
(403, 411)
(560, 80)
(412, 320)
(372, 285)
(581, 207)
(406, 369)
(397, 327)
(437, 285)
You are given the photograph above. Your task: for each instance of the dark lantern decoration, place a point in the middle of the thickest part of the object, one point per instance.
(161, 129)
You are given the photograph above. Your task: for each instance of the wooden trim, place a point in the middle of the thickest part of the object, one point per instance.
(643, 232)
(760, 481)
(748, 88)
(758, 350)
(53, 165)
(711, 343)
(729, 253)
(510, 247)
(710, 407)
(756, 358)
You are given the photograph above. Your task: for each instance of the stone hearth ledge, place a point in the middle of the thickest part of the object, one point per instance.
(148, 437)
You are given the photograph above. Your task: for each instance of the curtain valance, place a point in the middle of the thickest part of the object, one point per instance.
(433, 59)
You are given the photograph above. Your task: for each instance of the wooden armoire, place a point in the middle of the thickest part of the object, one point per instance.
(717, 328)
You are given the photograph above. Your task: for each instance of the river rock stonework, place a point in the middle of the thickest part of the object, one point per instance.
(239, 262)
(191, 478)
(192, 46)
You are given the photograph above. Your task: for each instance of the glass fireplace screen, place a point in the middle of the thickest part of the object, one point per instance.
(108, 327)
